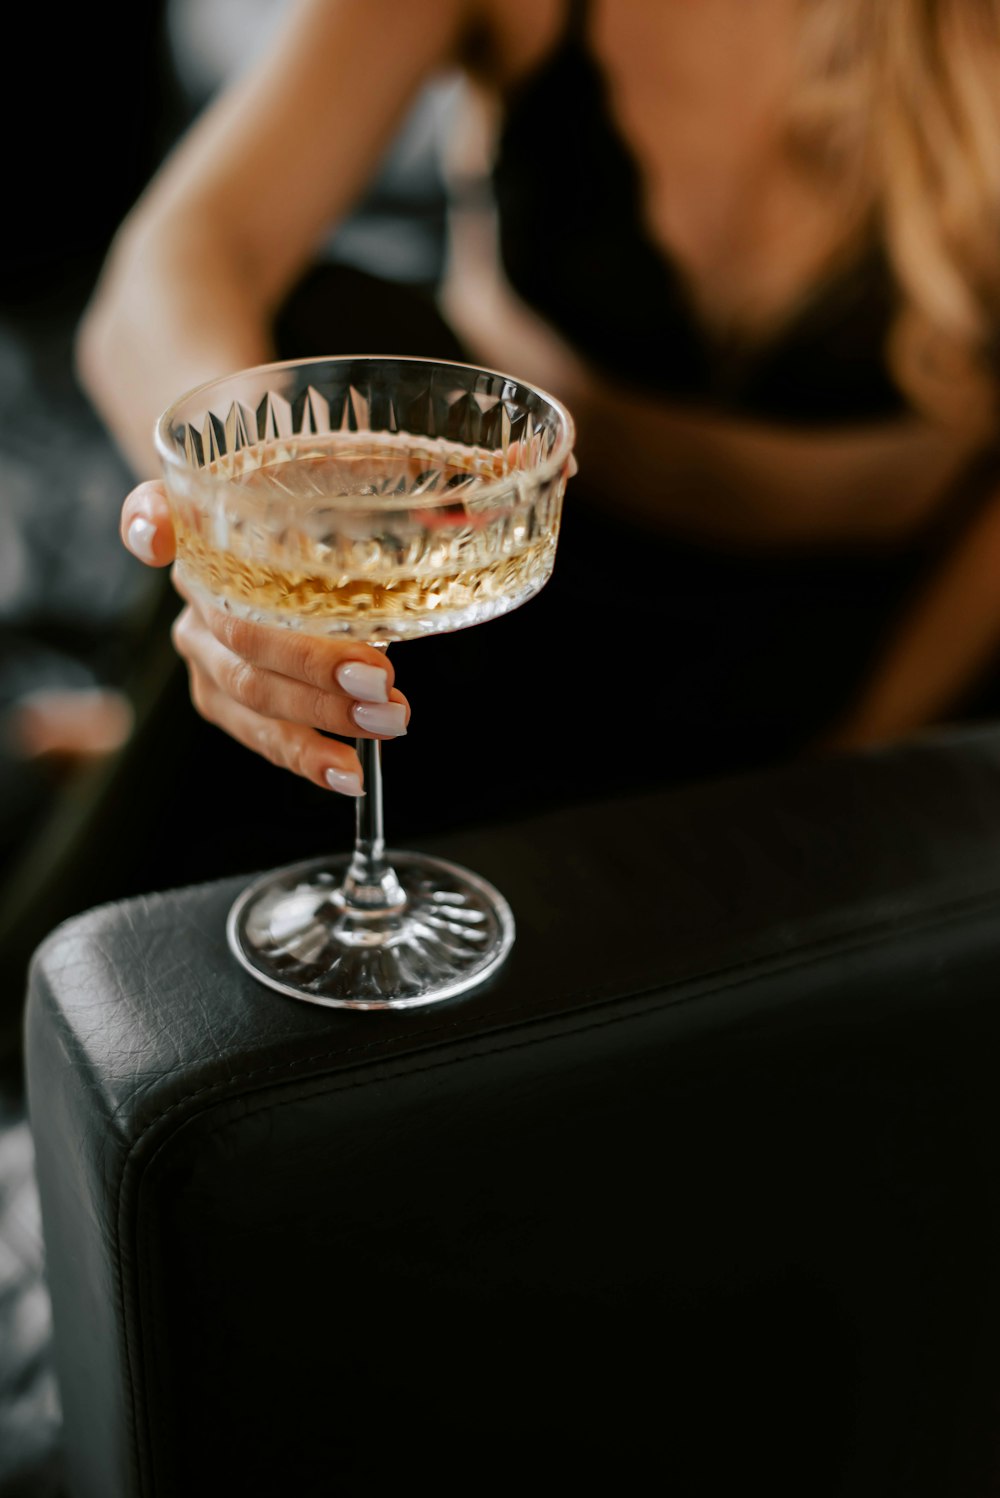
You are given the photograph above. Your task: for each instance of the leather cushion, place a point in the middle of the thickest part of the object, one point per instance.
(700, 1187)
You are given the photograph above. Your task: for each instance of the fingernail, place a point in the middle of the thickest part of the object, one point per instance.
(367, 683)
(344, 781)
(140, 538)
(388, 719)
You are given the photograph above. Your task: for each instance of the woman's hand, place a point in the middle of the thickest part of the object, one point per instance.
(272, 688)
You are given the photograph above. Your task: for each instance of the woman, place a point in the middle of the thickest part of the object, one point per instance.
(754, 248)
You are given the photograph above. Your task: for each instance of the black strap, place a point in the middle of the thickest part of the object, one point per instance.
(577, 15)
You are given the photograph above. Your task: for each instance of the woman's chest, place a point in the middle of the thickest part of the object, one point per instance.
(672, 123)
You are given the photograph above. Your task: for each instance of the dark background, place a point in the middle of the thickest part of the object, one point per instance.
(93, 98)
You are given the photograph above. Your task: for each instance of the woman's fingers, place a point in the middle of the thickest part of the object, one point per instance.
(288, 745)
(146, 527)
(351, 701)
(319, 661)
(272, 688)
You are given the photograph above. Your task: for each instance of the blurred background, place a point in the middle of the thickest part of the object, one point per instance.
(77, 613)
(103, 95)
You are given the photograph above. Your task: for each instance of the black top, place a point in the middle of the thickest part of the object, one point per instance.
(575, 247)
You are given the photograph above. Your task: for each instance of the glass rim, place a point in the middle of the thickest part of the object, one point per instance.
(541, 472)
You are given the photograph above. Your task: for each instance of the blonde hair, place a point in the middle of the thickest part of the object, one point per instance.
(901, 98)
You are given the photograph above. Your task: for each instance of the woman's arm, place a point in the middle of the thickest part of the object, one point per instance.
(204, 259)
(188, 293)
(941, 648)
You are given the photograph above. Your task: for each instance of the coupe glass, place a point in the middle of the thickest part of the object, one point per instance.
(373, 499)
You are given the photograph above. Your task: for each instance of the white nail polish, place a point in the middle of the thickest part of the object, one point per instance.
(387, 719)
(344, 781)
(140, 538)
(366, 683)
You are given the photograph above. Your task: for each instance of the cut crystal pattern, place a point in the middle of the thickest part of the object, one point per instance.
(273, 508)
(492, 411)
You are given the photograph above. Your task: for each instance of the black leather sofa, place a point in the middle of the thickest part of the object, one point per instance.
(699, 1196)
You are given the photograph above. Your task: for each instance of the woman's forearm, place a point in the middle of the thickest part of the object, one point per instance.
(238, 210)
(171, 311)
(942, 647)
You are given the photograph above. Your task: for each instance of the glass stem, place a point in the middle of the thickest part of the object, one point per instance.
(368, 864)
(371, 885)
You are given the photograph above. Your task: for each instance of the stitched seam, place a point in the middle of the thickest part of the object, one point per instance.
(152, 1416)
(136, 1415)
(607, 993)
(362, 1077)
(802, 957)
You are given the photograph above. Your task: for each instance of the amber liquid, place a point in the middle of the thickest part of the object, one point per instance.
(381, 538)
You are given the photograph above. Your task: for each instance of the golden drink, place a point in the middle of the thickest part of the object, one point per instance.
(379, 537)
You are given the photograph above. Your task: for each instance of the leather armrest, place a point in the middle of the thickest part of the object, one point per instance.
(699, 1190)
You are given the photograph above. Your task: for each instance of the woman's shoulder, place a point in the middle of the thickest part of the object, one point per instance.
(510, 39)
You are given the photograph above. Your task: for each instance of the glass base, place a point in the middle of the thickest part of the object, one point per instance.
(294, 931)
